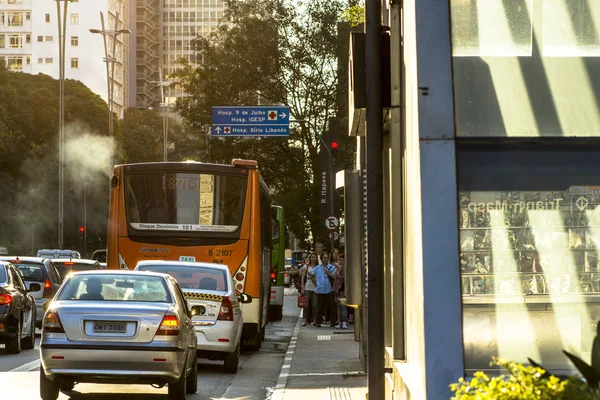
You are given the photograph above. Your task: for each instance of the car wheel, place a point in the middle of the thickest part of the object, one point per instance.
(29, 342)
(177, 389)
(192, 379)
(231, 361)
(13, 345)
(48, 388)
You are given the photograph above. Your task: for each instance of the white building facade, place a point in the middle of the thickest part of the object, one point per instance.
(164, 33)
(29, 42)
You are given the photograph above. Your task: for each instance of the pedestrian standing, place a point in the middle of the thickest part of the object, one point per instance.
(340, 293)
(319, 248)
(307, 288)
(324, 290)
(335, 256)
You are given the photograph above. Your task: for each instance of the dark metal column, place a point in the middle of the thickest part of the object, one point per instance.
(375, 267)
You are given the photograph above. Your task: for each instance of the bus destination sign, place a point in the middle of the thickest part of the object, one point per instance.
(251, 121)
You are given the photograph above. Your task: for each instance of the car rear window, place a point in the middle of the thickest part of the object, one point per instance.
(66, 269)
(192, 277)
(31, 271)
(3, 273)
(115, 288)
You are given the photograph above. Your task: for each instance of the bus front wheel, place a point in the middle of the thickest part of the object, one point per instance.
(252, 337)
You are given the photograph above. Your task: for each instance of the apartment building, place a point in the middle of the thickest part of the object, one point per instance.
(164, 33)
(29, 42)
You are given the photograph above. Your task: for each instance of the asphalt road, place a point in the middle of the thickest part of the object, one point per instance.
(255, 379)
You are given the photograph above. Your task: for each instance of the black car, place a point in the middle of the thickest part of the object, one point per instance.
(17, 310)
(64, 266)
(41, 271)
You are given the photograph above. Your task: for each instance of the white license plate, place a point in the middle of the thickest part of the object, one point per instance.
(110, 327)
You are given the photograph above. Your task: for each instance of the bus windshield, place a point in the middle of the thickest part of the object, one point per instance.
(189, 202)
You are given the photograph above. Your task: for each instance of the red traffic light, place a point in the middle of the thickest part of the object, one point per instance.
(334, 145)
(82, 229)
(273, 275)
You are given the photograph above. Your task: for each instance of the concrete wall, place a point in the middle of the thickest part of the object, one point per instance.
(433, 321)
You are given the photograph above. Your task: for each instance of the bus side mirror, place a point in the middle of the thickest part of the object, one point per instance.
(197, 310)
(245, 298)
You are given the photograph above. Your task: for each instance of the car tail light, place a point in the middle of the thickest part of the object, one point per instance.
(226, 311)
(5, 299)
(169, 326)
(47, 290)
(52, 323)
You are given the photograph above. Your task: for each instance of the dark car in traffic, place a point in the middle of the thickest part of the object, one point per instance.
(65, 266)
(17, 310)
(41, 271)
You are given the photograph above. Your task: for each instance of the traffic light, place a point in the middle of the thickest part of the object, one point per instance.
(333, 135)
(82, 237)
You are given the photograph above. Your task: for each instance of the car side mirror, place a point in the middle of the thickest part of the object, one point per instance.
(245, 298)
(34, 287)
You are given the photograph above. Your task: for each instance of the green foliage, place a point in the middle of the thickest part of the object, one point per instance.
(142, 135)
(522, 383)
(29, 162)
(270, 52)
(354, 15)
(591, 373)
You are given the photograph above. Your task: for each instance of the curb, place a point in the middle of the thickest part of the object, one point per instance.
(287, 362)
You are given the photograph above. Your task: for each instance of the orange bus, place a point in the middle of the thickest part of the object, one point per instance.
(192, 211)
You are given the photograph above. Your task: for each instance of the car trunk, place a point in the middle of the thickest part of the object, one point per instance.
(210, 304)
(111, 321)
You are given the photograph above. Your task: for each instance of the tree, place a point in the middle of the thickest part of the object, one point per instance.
(271, 52)
(354, 14)
(29, 162)
(143, 137)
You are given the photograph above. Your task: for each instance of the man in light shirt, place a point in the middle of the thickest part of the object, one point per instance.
(324, 290)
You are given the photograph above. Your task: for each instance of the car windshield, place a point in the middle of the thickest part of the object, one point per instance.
(115, 287)
(68, 267)
(193, 277)
(30, 271)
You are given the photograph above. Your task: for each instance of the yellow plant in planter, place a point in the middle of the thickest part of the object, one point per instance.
(522, 383)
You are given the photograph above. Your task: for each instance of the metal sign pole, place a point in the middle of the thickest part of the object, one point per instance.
(62, 33)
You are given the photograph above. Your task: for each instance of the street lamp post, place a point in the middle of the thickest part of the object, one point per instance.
(62, 34)
(330, 186)
(110, 73)
(165, 106)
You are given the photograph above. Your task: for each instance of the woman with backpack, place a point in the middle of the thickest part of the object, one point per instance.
(307, 288)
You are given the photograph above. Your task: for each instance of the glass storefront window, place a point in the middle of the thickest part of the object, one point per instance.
(526, 68)
(477, 29)
(529, 243)
(529, 255)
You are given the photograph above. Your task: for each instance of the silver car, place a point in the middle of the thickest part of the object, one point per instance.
(211, 295)
(118, 327)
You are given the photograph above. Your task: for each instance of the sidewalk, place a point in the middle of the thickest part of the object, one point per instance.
(321, 364)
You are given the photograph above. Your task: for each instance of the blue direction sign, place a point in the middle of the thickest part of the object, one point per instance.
(251, 121)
